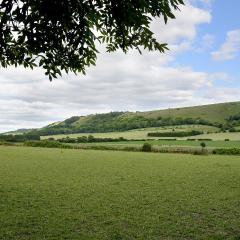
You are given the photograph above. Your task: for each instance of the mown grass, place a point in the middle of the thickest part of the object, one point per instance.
(77, 194)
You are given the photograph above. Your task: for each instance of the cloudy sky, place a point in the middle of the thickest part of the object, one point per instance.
(202, 67)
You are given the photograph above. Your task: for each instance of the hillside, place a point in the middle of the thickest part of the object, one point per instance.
(213, 113)
(19, 131)
(223, 115)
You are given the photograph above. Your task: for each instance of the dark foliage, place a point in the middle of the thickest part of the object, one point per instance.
(147, 147)
(174, 134)
(47, 144)
(61, 35)
(227, 151)
(204, 139)
(90, 139)
(20, 137)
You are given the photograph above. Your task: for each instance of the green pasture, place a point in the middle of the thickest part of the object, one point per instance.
(177, 143)
(219, 136)
(57, 194)
(139, 133)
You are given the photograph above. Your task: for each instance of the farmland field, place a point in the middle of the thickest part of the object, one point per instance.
(177, 143)
(139, 133)
(220, 136)
(78, 194)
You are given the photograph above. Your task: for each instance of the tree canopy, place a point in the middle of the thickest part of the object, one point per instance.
(61, 35)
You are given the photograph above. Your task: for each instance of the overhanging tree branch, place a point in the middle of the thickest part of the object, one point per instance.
(61, 35)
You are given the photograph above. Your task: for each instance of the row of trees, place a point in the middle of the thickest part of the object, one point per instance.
(90, 139)
(20, 137)
(175, 134)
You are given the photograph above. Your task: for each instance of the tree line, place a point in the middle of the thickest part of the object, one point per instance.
(20, 137)
(175, 134)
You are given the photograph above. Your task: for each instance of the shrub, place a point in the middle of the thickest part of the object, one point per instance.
(226, 140)
(147, 147)
(227, 151)
(203, 144)
(232, 130)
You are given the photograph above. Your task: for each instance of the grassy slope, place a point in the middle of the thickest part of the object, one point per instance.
(18, 132)
(220, 136)
(213, 113)
(49, 194)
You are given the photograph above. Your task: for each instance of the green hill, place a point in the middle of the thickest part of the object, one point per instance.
(223, 115)
(19, 131)
(212, 113)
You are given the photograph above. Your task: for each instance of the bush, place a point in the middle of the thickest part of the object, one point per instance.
(227, 151)
(203, 144)
(147, 147)
(232, 130)
(226, 140)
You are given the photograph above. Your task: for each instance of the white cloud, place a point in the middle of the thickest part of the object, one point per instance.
(203, 3)
(184, 27)
(222, 94)
(230, 48)
(206, 43)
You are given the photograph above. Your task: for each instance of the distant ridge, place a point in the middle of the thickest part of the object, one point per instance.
(211, 114)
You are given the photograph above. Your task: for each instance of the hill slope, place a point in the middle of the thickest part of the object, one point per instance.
(19, 131)
(212, 113)
(220, 115)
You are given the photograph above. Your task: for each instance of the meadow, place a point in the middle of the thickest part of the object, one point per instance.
(139, 133)
(168, 143)
(79, 194)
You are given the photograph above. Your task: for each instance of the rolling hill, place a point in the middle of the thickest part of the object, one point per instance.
(20, 131)
(222, 115)
(212, 113)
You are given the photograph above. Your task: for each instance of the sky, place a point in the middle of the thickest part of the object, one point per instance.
(200, 68)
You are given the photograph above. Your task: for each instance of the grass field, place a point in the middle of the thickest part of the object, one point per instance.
(177, 143)
(220, 136)
(139, 133)
(75, 194)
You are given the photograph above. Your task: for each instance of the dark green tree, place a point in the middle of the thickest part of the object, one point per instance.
(61, 35)
(203, 145)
